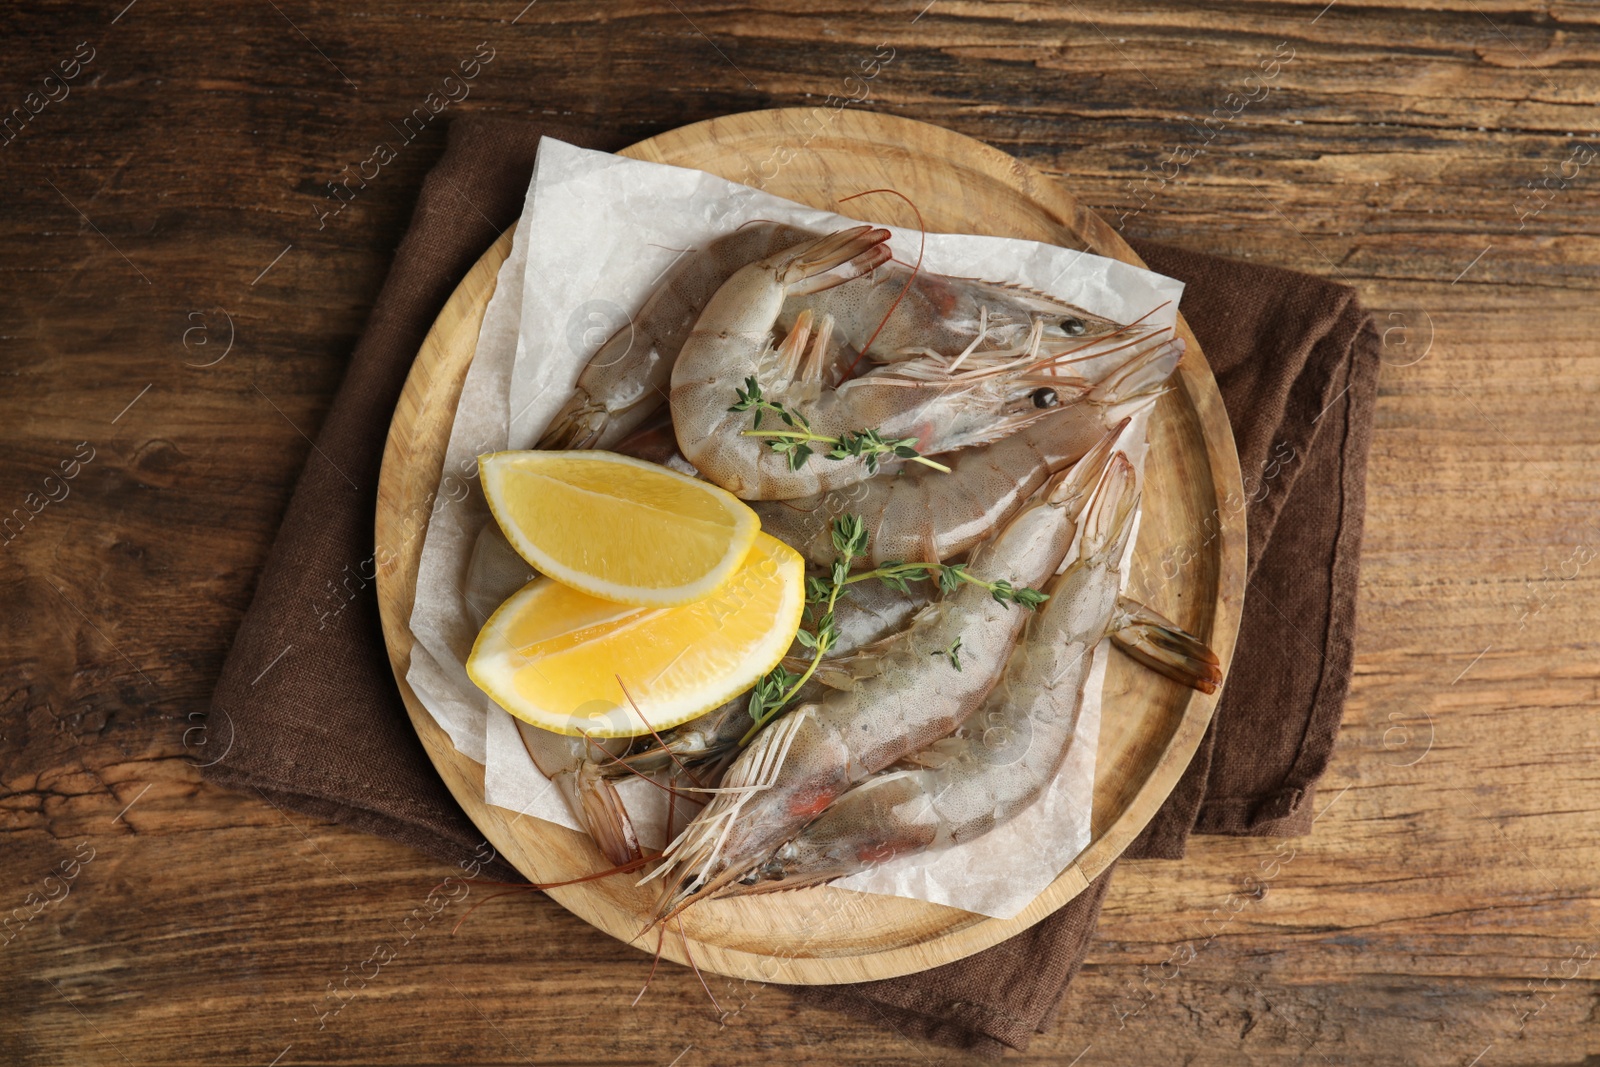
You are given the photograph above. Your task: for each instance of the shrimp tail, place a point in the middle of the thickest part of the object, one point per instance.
(577, 425)
(1166, 648)
(836, 259)
(1073, 486)
(1108, 518)
(605, 817)
(1146, 374)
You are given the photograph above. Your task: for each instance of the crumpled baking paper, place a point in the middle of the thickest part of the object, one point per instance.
(596, 234)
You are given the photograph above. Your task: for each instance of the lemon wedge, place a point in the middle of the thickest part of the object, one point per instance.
(618, 528)
(560, 659)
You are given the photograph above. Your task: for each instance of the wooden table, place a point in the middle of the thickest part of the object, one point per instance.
(170, 202)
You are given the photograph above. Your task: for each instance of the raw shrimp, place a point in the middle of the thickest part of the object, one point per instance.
(980, 395)
(942, 315)
(1008, 753)
(796, 767)
(869, 612)
(627, 379)
(926, 516)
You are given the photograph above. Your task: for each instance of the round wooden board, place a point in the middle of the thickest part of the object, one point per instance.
(1151, 726)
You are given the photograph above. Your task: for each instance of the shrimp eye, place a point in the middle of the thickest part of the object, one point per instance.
(1073, 326)
(1045, 398)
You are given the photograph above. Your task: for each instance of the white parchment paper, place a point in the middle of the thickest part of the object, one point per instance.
(596, 234)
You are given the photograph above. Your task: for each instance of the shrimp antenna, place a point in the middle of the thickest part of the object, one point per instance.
(634, 704)
(672, 794)
(651, 977)
(690, 957)
(609, 758)
(922, 247)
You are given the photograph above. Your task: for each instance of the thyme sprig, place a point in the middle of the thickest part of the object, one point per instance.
(850, 539)
(780, 685)
(896, 574)
(796, 442)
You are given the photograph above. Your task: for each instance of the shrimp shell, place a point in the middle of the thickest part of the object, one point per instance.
(627, 379)
(1002, 759)
(923, 515)
(941, 404)
(797, 767)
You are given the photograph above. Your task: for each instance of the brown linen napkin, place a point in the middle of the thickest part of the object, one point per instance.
(1296, 359)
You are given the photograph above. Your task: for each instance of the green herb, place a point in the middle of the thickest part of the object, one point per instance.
(767, 698)
(750, 399)
(895, 574)
(850, 540)
(796, 442)
(780, 685)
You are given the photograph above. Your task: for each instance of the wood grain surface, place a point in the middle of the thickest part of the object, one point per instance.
(1152, 727)
(1434, 156)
